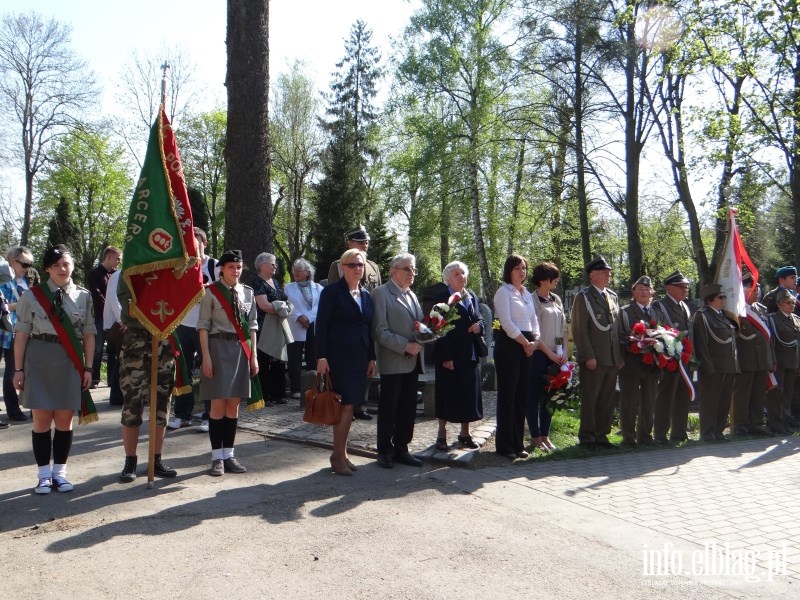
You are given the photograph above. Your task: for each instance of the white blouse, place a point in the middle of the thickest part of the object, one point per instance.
(516, 312)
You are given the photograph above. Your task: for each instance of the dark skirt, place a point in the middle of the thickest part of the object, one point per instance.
(458, 393)
(51, 379)
(348, 364)
(231, 371)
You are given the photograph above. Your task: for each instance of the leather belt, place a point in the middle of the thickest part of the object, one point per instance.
(46, 337)
(224, 335)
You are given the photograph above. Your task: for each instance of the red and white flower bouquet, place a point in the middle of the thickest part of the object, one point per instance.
(660, 345)
(439, 321)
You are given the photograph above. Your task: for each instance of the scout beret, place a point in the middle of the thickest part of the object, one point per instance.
(230, 256)
(359, 234)
(676, 278)
(785, 272)
(598, 264)
(709, 290)
(643, 280)
(53, 254)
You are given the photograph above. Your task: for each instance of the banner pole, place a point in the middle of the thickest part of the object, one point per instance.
(151, 455)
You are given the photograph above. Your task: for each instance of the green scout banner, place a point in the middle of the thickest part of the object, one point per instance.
(160, 261)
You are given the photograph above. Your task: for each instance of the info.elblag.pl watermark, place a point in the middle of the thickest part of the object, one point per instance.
(713, 564)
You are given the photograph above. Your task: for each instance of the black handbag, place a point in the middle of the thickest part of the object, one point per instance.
(481, 349)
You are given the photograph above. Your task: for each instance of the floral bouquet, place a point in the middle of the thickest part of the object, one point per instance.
(439, 321)
(561, 385)
(661, 345)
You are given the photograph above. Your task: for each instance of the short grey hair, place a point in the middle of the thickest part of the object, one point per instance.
(262, 259)
(450, 267)
(401, 258)
(302, 263)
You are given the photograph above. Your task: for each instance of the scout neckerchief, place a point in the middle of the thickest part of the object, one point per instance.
(71, 344)
(223, 294)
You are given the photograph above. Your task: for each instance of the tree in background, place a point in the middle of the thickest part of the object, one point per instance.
(202, 145)
(61, 229)
(297, 145)
(140, 95)
(248, 209)
(343, 190)
(90, 173)
(44, 86)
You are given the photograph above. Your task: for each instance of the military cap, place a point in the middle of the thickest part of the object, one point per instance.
(709, 290)
(359, 234)
(53, 254)
(598, 264)
(643, 280)
(676, 278)
(230, 256)
(785, 272)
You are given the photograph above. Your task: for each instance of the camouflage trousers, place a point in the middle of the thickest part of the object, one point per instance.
(134, 377)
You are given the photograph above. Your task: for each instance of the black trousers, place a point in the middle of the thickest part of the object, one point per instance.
(397, 409)
(513, 371)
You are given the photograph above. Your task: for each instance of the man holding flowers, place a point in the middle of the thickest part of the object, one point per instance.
(671, 412)
(638, 379)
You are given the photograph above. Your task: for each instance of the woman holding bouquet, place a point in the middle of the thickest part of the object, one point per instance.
(551, 351)
(344, 347)
(514, 345)
(458, 382)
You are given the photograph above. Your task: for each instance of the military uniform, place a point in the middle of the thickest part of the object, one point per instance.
(785, 336)
(715, 348)
(638, 382)
(672, 398)
(756, 360)
(594, 333)
(370, 279)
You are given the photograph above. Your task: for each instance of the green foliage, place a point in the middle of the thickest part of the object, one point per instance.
(62, 230)
(342, 193)
(87, 172)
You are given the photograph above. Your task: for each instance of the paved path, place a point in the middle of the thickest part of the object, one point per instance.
(285, 421)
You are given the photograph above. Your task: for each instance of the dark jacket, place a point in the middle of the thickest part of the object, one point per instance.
(341, 322)
(459, 345)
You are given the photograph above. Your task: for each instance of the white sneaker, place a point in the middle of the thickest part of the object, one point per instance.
(204, 426)
(45, 486)
(174, 423)
(61, 484)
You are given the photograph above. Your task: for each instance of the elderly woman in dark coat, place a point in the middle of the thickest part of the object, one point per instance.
(458, 381)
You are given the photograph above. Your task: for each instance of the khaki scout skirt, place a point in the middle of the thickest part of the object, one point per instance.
(51, 380)
(231, 371)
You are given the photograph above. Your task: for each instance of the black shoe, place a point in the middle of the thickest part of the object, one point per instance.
(281, 401)
(710, 438)
(678, 439)
(521, 454)
(628, 444)
(466, 441)
(741, 431)
(162, 470)
(231, 465)
(647, 442)
(129, 470)
(408, 459)
(364, 415)
(385, 461)
(661, 442)
(20, 416)
(587, 445)
(3, 425)
(759, 430)
(441, 445)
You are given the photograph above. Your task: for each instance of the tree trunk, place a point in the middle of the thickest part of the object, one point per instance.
(248, 212)
(580, 162)
(794, 175)
(512, 231)
(632, 159)
(487, 283)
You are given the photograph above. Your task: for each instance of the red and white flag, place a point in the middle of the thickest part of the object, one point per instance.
(729, 273)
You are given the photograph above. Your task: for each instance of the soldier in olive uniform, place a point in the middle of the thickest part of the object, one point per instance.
(715, 348)
(637, 381)
(594, 316)
(672, 399)
(756, 360)
(787, 280)
(785, 336)
(358, 238)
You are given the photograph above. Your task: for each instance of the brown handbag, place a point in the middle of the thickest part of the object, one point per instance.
(323, 405)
